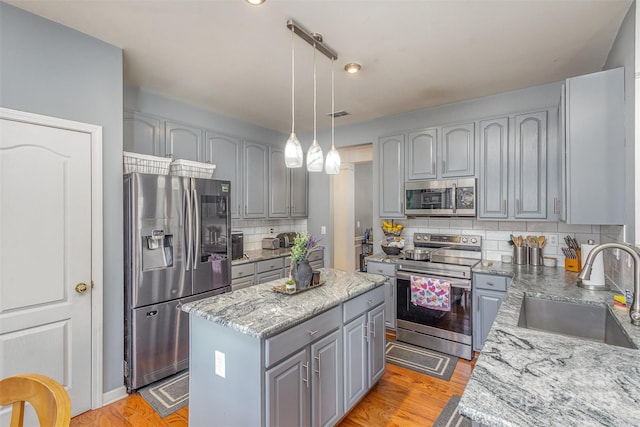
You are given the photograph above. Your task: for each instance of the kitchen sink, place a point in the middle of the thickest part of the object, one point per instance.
(591, 322)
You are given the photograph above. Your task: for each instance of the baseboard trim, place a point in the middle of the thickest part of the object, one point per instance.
(114, 395)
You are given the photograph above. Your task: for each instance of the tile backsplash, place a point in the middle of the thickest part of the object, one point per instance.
(255, 230)
(495, 239)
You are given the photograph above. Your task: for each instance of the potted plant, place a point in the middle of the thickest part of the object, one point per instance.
(301, 271)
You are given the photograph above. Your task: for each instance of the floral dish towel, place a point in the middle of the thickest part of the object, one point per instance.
(431, 293)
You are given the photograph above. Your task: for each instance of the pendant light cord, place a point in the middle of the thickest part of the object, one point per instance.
(314, 94)
(333, 108)
(293, 85)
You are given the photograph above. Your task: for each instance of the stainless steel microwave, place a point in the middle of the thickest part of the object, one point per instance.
(453, 197)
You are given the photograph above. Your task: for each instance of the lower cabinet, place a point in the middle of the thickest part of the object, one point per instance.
(488, 293)
(390, 300)
(305, 385)
(364, 353)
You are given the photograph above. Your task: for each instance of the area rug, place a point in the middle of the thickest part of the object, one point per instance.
(168, 395)
(421, 360)
(449, 417)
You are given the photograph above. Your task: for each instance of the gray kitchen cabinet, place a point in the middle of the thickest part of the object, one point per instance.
(288, 188)
(494, 168)
(255, 180)
(142, 134)
(242, 276)
(530, 165)
(391, 172)
(458, 150)
(183, 141)
(305, 389)
(269, 276)
(390, 300)
(226, 153)
(488, 293)
(421, 154)
(592, 149)
(269, 270)
(364, 340)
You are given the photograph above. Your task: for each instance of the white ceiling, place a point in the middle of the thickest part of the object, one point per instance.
(235, 59)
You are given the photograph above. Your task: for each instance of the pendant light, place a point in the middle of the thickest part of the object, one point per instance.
(315, 157)
(332, 164)
(293, 157)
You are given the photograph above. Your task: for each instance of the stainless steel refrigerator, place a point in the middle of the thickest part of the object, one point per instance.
(177, 250)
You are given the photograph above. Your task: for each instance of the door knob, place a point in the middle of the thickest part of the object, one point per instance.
(81, 288)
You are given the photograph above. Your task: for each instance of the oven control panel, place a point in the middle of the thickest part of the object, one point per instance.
(447, 240)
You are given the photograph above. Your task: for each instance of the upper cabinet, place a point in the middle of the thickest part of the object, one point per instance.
(530, 166)
(255, 180)
(592, 149)
(226, 153)
(513, 172)
(183, 141)
(143, 134)
(447, 152)
(421, 154)
(391, 173)
(458, 150)
(288, 189)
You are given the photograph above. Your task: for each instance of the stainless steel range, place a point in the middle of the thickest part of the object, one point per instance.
(441, 319)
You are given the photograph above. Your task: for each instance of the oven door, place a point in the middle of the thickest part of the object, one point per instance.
(429, 198)
(449, 324)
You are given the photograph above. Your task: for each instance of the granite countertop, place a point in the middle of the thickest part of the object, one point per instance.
(525, 377)
(261, 312)
(261, 254)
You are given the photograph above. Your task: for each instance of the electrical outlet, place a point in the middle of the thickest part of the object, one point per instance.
(220, 364)
(553, 240)
(271, 230)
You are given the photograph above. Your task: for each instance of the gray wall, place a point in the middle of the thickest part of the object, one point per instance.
(622, 54)
(49, 69)
(363, 188)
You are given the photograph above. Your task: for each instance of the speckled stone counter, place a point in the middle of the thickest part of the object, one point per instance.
(261, 254)
(261, 312)
(525, 377)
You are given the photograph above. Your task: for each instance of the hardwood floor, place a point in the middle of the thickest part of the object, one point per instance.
(402, 397)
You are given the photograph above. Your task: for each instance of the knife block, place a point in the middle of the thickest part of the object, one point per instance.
(574, 264)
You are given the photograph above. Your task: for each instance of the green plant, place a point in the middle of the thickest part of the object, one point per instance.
(303, 245)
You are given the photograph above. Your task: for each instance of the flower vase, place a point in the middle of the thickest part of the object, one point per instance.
(302, 274)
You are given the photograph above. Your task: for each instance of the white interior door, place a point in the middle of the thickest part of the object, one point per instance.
(45, 254)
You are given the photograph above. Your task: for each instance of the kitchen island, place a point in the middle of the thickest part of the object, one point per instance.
(263, 358)
(527, 377)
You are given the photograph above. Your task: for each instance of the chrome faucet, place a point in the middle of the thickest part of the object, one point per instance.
(634, 312)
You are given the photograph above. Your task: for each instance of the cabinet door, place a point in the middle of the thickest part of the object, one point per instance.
(391, 157)
(279, 188)
(142, 134)
(255, 180)
(299, 192)
(224, 152)
(376, 345)
(560, 204)
(355, 355)
(485, 312)
(326, 395)
(494, 164)
(183, 142)
(390, 300)
(458, 150)
(288, 392)
(421, 154)
(530, 165)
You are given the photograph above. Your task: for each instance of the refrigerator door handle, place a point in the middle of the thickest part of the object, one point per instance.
(196, 229)
(188, 235)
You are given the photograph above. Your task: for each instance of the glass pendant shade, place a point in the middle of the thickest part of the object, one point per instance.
(315, 158)
(332, 164)
(293, 157)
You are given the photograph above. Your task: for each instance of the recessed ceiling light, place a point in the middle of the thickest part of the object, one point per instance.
(352, 67)
(255, 2)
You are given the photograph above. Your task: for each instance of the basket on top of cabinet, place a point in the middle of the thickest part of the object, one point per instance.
(191, 169)
(144, 163)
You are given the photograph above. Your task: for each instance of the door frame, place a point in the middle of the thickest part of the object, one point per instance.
(95, 133)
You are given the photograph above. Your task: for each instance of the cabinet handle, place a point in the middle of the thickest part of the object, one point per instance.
(366, 331)
(240, 273)
(433, 167)
(443, 167)
(239, 208)
(245, 209)
(555, 206)
(312, 333)
(306, 373)
(504, 206)
(370, 302)
(372, 329)
(518, 205)
(490, 284)
(318, 370)
(478, 304)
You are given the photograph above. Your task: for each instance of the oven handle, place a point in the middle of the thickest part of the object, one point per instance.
(456, 283)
